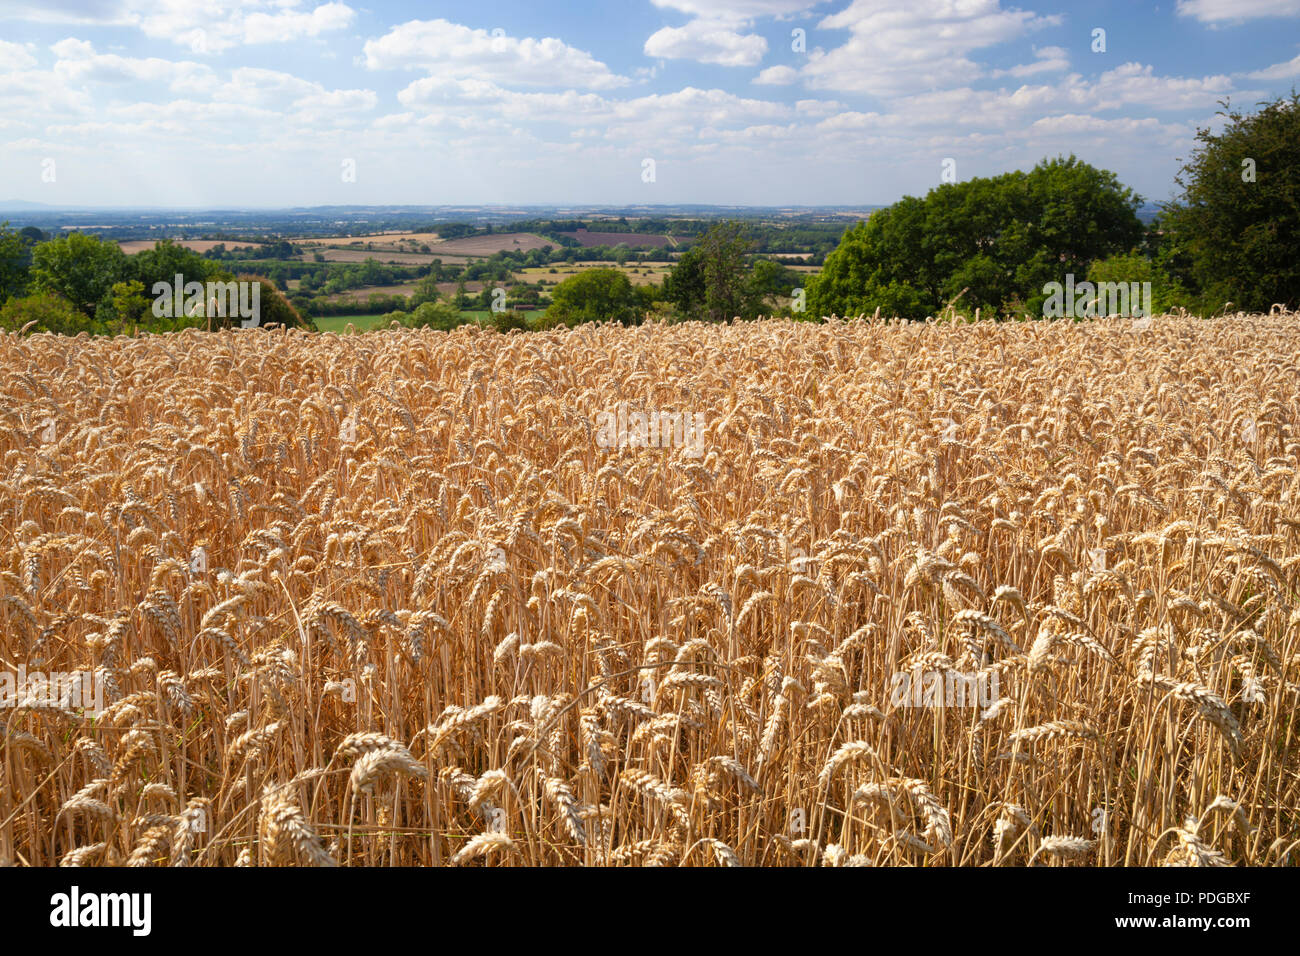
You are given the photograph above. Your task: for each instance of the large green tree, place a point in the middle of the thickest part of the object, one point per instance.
(596, 295)
(992, 243)
(1234, 233)
(711, 280)
(165, 261)
(79, 267)
(15, 259)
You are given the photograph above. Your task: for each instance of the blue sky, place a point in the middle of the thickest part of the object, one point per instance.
(300, 102)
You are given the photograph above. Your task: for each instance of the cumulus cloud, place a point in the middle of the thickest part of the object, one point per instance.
(737, 10)
(923, 44)
(1278, 71)
(1219, 11)
(215, 26)
(15, 56)
(707, 41)
(1048, 59)
(77, 62)
(777, 76)
(453, 50)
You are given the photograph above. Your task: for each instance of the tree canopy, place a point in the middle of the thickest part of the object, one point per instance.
(1234, 233)
(995, 242)
(596, 295)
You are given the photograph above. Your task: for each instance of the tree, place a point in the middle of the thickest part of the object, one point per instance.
(684, 287)
(165, 261)
(426, 290)
(1234, 233)
(726, 292)
(274, 308)
(991, 242)
(128, 302)
(15, 258)
(711, 278)
(1166, 293)
(79, 267)
(436, 314)
(595, 295)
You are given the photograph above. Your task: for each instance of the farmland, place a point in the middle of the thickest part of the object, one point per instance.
(632, 239)
(403, 597)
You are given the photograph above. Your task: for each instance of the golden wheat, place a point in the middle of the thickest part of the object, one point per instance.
(388, 599)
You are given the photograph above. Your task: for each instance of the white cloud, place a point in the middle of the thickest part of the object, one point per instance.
(455, 51)
(209, 27)
(303, 100)
(1048, 59)
(737, 10)
(1278, 71)
(1218, 11)
(777, 76)
(228, 23)
(289, 24)
(15, 56)
(895, 48)
(1133, 84)
(708, 41)
(79, 63)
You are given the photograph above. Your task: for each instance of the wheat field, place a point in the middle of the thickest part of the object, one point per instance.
(387, 599)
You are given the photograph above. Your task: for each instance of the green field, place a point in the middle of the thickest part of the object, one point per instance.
(364, 323)
(484, 316)
(338, 323)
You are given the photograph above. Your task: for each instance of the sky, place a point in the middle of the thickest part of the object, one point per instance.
(276, 103)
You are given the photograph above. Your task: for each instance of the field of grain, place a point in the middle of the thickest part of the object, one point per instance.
(634, 240)
(361, 254)
(643, 273)
(387, 239)
(483, 246)
(132, 246)
(405, 597)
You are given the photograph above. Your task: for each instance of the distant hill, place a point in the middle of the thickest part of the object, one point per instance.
(22, 205)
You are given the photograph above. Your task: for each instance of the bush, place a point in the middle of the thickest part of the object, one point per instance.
(440, 315)
(596, 295)
(275, 307)
(509, 321)
(1166, 294)
(50, 312)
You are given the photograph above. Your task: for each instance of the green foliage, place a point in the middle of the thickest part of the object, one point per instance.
(79, 267)
(436, 314)
(164, 262)
(727, 293)
(509, 321)
(715, 279)
(1230, 239)
(128, 302)
(15, 260)
(987, 242)
(51, 313)
(426, 290)
(274, 306)
(685, 286)
(596, 295)
(1166, 293)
